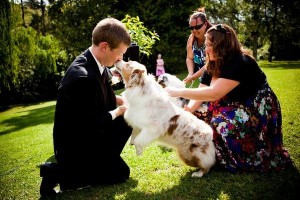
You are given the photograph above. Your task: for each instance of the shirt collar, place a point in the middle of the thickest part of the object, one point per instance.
(101, 67)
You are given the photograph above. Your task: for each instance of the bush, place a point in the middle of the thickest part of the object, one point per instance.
(34, 61)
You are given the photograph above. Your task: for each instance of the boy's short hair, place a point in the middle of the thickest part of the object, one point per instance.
(112, 31)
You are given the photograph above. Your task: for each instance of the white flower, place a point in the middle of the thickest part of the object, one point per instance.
(242, 115)
(220, 127)
(115, 80)
(262, 107)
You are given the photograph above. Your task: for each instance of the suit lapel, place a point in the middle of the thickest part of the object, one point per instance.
(101, 80)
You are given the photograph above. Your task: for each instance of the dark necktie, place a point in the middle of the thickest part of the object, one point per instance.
(104, 84)
(104, 75)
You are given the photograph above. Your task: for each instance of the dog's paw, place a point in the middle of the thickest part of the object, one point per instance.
(131, 142)
(139, 150)
(198, 174)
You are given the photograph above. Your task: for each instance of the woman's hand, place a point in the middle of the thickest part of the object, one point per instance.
(173, 92)
(186, 108)
(188, 79)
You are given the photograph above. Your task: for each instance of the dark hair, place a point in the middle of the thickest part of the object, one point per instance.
(200, 13)
(225, 45)
(112, 31)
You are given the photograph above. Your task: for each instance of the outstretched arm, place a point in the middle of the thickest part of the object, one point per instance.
(217, 90)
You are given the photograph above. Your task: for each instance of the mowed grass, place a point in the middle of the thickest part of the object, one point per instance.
(26, 141)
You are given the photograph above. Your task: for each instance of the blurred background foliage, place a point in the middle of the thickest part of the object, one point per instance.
(39, 39)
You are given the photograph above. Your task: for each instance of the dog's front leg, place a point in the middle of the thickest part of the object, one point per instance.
(138, 149)
(135, 132)
(145, 137)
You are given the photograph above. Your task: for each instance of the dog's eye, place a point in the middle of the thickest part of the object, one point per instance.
(134, 73)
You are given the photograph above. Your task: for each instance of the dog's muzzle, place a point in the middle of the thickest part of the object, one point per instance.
(118, 65)
(117, 69)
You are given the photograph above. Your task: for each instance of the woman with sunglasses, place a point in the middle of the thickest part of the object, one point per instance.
(195, 59)
(240, 106)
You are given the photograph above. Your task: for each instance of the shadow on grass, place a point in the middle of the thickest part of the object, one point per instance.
(217, 184)
(99, 192)
(37, 116)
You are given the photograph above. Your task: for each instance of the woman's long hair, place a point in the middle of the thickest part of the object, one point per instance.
(225, 45)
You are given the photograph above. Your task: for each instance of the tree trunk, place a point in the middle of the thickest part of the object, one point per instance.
(23, 13)
(254, 35)
(273, 38)
(43, 18)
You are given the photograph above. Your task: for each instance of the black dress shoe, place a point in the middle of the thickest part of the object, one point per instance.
(72, 184)
(47, 187)
(64, 186)
(49, 172)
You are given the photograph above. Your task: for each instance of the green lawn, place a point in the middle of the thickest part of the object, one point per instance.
(26, 141)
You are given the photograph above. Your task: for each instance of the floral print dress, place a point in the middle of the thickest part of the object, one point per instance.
(248, 133)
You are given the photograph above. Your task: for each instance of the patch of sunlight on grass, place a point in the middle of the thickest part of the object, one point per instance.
(224, 196)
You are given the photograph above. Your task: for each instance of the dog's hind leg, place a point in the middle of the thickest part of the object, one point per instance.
(199, 173)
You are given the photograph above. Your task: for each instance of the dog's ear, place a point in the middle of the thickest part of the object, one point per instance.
(138, 71)
(136, 77)
(161, 81)
(163, 85)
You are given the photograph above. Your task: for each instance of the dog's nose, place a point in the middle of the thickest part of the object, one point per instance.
(119, 64)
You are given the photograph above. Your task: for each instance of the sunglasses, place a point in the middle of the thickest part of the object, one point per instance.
(197, 27)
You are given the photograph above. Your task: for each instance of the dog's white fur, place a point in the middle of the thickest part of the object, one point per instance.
(154, 117)
(168, 80)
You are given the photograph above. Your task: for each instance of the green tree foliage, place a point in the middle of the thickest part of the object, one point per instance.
(140, 34)
(286, 30)
(72, 22)
(38, 41)
(35, 57)
(261, 22)
(29, 61)
(169, 19)
(6, 82)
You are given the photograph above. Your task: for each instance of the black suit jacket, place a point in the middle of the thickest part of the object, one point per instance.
(83, 128)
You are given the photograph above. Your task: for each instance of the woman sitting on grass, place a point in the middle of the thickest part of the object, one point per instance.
(239, 104)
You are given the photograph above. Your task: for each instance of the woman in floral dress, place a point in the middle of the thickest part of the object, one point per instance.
(237, 101)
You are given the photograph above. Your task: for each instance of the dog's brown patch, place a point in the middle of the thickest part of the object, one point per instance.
(204, 148)
(173, 124)
(162, 84)
(136, 78)
(193, 161)
(126, 72)
(193, 146)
